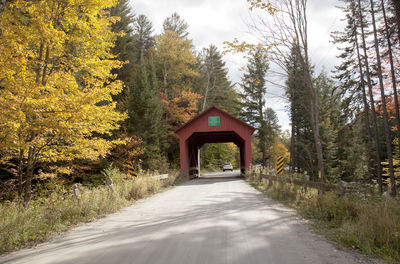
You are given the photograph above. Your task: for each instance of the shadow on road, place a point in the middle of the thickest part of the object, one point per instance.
(221, 175)
(207, 220)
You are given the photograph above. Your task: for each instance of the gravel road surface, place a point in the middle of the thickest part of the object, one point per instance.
(214, 219)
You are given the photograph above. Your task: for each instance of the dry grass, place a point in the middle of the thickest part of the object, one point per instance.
(46, 216)
(370, 224)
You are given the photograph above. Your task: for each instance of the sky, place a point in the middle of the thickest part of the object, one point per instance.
(216, 21)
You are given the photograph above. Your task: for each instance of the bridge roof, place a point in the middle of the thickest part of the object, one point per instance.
(228, 122)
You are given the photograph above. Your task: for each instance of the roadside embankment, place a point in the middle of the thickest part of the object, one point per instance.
(370, 223)
(63, 209)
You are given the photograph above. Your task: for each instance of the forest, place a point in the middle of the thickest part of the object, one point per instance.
(91, 95)
(88, 86)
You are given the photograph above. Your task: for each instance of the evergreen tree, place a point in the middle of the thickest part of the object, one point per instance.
(141, 94)
(142, 30)
(351, 76)
(145, 114)
(175, 24)
(335, 121)
(124, 48)
(272, 129)
(213, 83)
(253, 98)
(302, 149)
(375, 132)
(396, 10)
(388, 136)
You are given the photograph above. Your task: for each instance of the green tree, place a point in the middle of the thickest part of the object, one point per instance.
(351, 77)
(144, 40)
(124, 48)
(302, 154)
(215, 155)
(253, 97)
(145, 114)
(272, 130)
(213, 83)
(176, 24)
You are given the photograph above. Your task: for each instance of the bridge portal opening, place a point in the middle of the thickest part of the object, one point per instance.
(213, 156)
(212, 126)
(198, 139)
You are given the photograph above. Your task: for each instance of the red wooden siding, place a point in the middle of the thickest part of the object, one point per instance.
(197, 132)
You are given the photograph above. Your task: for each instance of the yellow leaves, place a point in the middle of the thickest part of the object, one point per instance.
(396, 168)
(278, 149)
(176, 62)
(263, 5)
(127, 152)
(175, 56)
(252, 80)
(55, 70)
(248, 49)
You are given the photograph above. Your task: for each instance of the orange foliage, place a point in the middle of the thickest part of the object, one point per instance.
(180, 109)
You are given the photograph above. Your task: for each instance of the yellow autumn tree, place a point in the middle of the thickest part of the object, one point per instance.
(176, 65)
(175, 61)
(276, 150)
(55, 83)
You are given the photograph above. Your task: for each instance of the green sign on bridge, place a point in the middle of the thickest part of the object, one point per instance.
(213, 121)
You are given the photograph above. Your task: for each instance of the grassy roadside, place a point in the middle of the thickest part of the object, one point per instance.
(47, 216)
(370, 224)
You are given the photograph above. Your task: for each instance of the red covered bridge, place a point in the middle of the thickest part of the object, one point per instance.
(212, 126)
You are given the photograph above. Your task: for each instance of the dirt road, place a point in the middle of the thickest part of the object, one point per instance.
(205, 220)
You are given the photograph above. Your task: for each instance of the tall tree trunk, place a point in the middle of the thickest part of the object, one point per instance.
(29, 175)
(20, 171)
(317, 137)
(392, 72)
(396, 5)
(296, 151)
(292, 155)
(206, 92)
(371, 99)
(385, 113)
(261, 131)
(299, 20)
(165, 75)
(314, 114)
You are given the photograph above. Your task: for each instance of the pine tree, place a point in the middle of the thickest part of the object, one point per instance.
(392, 70)
(302, 149)
(145, 114)
(124, 48)
(213, 83)
(396, 8)
(142, 30)
(374, 124)
(351, 77)
(272, 129)
(175, 24)
(253, 97)
(388, 136)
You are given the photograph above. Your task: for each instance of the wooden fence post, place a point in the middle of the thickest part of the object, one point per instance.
(110, 184)
(76, 192)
